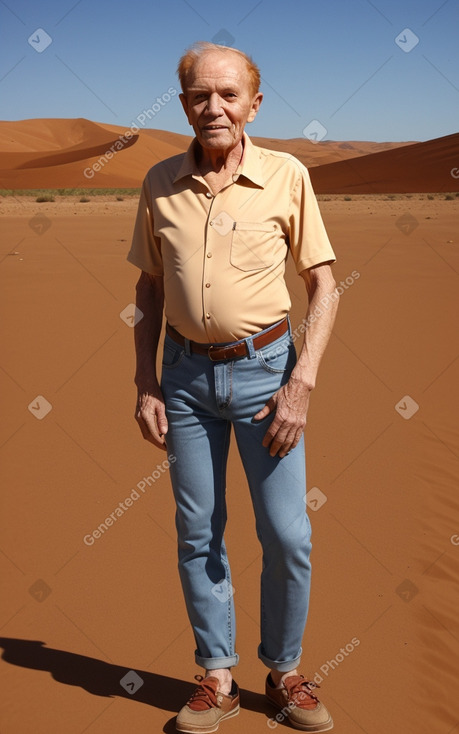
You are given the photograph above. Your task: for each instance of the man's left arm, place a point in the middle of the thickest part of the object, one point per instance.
(291, 402)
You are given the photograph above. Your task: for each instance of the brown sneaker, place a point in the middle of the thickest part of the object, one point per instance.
(207, 707)
(298, 704)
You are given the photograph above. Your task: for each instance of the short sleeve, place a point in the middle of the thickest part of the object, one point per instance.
(145, 250)
(308, 239)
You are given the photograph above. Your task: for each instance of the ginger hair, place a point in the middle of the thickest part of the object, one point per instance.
(195, 52)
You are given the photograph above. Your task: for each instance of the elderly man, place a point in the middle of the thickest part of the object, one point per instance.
(213, 230)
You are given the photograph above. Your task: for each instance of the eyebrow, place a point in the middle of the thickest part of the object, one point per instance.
(223, 90)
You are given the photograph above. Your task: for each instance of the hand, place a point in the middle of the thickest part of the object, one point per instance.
(291, 404)
(150, 414)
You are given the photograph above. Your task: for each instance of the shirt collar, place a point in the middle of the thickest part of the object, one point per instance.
(249, 167)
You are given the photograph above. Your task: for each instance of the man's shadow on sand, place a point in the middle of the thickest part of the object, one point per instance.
(103, 679)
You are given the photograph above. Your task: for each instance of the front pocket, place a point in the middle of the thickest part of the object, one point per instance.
(253, 245)
(278, 358)
(172, 355)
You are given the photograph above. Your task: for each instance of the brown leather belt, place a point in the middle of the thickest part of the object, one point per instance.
(238, 349)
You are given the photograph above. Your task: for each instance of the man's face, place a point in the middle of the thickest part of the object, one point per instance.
(218, 101)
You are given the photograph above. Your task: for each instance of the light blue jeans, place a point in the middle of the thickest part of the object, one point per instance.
(203, 400)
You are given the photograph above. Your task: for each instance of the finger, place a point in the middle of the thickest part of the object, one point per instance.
(290, 443)
(276, 447)
(285, 449)
(150, 432)
(266, 410)
(161, 419)
(262, 413)
(155, 411)
(272, 431)
(284, 440)
(278, 442)
(268, 437)
(152, 428)
(151, 418)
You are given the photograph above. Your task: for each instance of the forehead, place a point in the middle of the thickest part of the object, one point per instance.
(216, 69)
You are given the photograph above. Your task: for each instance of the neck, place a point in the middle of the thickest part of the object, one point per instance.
(218, 161)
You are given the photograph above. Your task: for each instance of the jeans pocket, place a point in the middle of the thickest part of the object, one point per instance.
(278, 357)
(172, 354)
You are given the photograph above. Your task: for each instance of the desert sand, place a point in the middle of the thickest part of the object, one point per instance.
(80, 612)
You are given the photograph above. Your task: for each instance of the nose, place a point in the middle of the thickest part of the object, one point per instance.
(214, 106)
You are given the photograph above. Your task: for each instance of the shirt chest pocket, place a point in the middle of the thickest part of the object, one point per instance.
(253, 245)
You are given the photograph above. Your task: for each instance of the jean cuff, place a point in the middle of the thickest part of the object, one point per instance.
(215, 663)
(283, 666)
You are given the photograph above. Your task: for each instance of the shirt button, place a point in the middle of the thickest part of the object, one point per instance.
(207, 315)
(208, 194)
(209, 254)
(207, 285)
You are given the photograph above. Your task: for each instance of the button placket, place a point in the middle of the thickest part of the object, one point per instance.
(206, 272)
(218, 226)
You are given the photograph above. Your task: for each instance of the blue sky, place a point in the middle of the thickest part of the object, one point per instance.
(333, 61)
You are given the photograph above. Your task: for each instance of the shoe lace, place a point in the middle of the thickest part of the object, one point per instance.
(204, 697)
(300, 691)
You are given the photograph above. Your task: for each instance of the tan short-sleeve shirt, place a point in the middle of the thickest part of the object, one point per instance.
(223, 256)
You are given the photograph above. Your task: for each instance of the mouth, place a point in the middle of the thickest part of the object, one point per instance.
(214, 127)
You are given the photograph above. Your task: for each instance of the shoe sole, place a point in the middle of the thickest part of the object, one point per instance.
(205, 729)
(311, 728)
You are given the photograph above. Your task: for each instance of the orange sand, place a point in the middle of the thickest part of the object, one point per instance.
(76, 618)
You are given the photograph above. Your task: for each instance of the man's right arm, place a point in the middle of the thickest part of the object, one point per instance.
(150, 412)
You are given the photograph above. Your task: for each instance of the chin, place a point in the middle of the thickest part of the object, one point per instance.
(216, 141)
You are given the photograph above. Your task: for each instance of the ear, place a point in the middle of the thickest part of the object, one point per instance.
(256, 102)
(184, 102)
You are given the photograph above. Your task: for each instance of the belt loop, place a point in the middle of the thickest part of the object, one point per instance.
(187, 347)
(250, 347)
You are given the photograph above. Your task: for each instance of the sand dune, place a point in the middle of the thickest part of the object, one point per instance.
(30, 157)
(326, 151)
(67, 153)
(413, 168)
